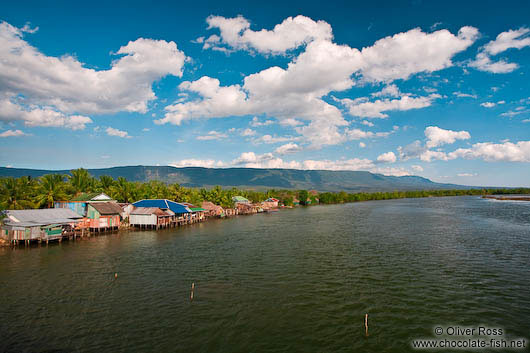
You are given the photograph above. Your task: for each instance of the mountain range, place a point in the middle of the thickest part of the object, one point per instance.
(259, 179)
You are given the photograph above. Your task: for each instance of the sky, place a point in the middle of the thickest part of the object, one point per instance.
(435, 89)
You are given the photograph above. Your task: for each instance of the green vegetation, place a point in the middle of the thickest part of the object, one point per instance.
(25, 192)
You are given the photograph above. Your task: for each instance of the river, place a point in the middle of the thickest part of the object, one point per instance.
(298, 280)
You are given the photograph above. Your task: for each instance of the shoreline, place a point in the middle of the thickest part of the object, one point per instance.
(127, 227)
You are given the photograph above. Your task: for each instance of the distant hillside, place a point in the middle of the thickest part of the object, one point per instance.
(321, 180)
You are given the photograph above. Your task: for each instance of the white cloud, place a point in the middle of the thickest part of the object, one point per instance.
(510, 39)
(290, 34)
(294, 95)
(488, 104)
(347, 164)
(119, 133)
(13, 133)
(506, 40)
(357, 134)
(266, 160)
(269, 139)
(408, 53)
(465, 95)
(483, 63)
(393, 171)
(34, 116)
(388, 91)
(212, 135)
(146, 129)
(68, 86)
(205, 163)
(362, 144)
(417, 168)
(488, 151)
(248, 132)
(525, 121)
(255, 122)
(512, 113)
(388, 157)
(288, 149)
(367, 123)
(437, 136)
(363, 108)
(466, 174)
(429, 155)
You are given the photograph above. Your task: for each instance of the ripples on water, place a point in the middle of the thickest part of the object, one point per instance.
(299, 280)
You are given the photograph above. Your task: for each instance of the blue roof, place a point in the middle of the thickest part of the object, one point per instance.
(164, 204)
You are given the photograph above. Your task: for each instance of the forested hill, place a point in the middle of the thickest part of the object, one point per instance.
(250, 178)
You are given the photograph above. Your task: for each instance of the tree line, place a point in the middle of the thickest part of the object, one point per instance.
(43, 192)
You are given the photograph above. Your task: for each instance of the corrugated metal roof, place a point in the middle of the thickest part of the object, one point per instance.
(42, 215)
(107, 208)
(239, 199)
(163, 204)
(148, 211)
(28, 218)
(197, 209)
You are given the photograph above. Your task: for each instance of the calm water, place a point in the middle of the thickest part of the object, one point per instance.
(299, 280)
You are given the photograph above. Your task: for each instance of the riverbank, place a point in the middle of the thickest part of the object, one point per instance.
(507, 198)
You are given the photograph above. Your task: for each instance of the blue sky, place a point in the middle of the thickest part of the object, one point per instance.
(422, 88)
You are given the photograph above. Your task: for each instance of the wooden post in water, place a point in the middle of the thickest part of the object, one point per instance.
(366, 325)
(192, 289)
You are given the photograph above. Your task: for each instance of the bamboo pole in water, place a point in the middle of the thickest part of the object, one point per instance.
(192, 289)
(366, 325)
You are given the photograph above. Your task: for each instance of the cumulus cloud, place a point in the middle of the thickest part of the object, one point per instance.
(119, 133)
(417, 168)
(12, 110)
(269, 139)
(437, 136)
(65, 84)
(388, 157)
(266, 160)
(290, 34)
(516, 39)
(507, 40)
(362, 107)
(288, 148)
(483, 63)
(294, 95)
(212, 135)
(248, 132)
(404, 54)
(13, 133)
(256, 123)
(206, 163)
(362, 144)
(465, 95)
(488, 104)
(488, 151)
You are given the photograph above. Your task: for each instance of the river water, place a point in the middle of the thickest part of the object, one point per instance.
(298, 280)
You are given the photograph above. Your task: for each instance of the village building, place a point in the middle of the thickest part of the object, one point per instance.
(79, 204)
(102, 216)
(240, 200)
(212, 210)
(126, 209)
(270, 203)
(151, 217)
(42, 224)
(182, 213)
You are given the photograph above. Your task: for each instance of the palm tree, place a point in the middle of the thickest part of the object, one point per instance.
(16, 193)
(50, 189)
(80, 181)
(105, 183)
(122, 190)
